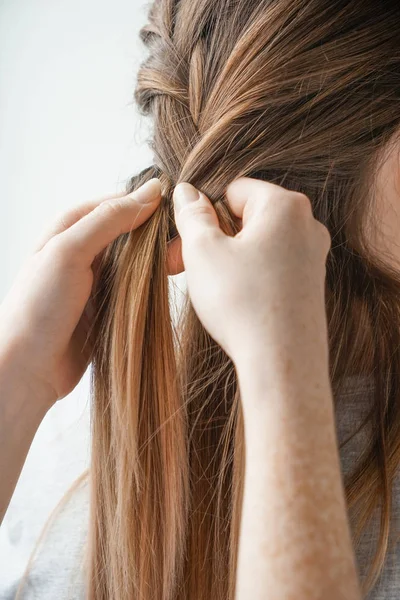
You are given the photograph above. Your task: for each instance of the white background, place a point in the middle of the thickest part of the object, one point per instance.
(68, 132)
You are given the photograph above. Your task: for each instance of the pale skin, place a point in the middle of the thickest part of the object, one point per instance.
(269, 279)
(260, 295)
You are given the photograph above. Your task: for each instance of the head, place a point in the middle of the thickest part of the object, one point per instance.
(305, 94)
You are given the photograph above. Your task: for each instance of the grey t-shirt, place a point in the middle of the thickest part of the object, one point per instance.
(57, 571)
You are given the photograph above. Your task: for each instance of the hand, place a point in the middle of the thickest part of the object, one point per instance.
(263, 287)
(45, 318)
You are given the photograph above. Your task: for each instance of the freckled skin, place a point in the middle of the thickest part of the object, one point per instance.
(261, 296)
(295, 538)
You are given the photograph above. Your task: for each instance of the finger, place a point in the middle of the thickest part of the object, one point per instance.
(194, 213)
(247, 196)
(325, 236)
(110, 219)
(72, 216)
(174, 261)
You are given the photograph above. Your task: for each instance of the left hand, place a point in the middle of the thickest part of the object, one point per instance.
(45, 318)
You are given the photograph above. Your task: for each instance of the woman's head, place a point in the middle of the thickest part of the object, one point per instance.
(305, 94)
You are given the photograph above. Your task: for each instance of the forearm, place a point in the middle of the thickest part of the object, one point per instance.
(295, 539)
(21, 412)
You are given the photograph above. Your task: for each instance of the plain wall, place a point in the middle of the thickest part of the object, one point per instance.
(68, 132)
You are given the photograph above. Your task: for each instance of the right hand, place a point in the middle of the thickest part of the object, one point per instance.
(265, 287)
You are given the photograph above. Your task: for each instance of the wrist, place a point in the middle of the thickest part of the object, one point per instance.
(20, 389)
(286, 412)
(287, 346)
(282, 376)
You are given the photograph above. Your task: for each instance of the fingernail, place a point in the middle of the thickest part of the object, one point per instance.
(147, 192)
(184, 193)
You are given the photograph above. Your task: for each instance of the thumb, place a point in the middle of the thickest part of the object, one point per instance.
(194, 213)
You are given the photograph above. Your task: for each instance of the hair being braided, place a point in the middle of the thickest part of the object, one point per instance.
(305, 94)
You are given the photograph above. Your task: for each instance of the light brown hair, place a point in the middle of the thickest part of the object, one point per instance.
(302, 93)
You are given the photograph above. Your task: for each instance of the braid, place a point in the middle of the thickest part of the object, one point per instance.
(261, 88)
(195, 85)
(166, 84)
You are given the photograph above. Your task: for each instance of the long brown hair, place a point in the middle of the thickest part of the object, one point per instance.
(302, 93)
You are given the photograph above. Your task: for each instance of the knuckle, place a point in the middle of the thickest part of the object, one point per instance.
(198, 209)
(202, 237)
(59, 251)
(301, 202)
(109, 207)
(287, 206)
(62, 222)
(325, 234)
(55, 248)
(294, 207)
